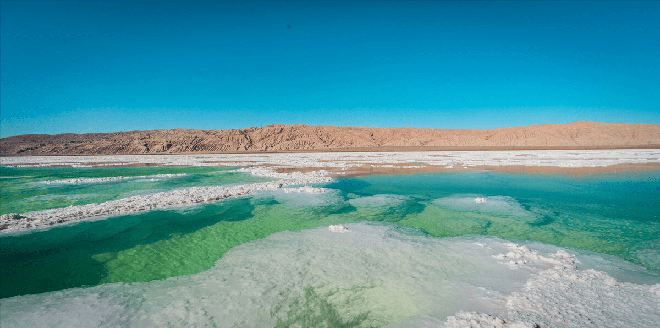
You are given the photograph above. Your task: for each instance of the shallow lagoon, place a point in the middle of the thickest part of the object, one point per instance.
(608, 214)
(24, 190)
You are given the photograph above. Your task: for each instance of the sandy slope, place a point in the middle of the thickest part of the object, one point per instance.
(305, 137)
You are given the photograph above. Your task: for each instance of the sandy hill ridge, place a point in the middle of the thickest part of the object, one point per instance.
(324, 138)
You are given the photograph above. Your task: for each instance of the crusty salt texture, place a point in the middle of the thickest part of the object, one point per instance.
(338, 228)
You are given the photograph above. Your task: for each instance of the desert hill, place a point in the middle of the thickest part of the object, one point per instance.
(325, 138)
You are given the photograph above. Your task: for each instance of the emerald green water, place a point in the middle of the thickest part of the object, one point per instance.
(612, 214)
(23, 190)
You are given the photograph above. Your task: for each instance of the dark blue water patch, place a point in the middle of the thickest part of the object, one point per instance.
(61, 257)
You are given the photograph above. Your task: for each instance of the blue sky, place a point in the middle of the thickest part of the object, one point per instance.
(104, 66)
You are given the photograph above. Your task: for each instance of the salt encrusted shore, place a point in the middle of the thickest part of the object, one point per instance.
(14, 222)
(556, 294)
(557, 158)
(264, 165)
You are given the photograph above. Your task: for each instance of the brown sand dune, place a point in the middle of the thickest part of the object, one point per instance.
(578, 135)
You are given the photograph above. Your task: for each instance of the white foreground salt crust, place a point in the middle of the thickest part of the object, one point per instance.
(155, 177)
(377, 275)
(140, 203)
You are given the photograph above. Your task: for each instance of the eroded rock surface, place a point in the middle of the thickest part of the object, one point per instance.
(305, 137)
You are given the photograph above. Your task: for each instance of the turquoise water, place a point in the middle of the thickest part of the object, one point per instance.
(611, 214)
(23, 190)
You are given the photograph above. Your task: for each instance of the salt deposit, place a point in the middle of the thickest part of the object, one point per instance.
(139, 203)
(338, 228)
(377, 275)
(559, 158)
(48, 218)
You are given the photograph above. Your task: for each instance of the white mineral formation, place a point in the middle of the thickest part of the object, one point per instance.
(563, 296)
(480, 200)
(338, 228)
(140, 203)
(519, 255)
(558, 158)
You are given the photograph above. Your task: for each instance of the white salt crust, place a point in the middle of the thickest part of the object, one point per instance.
(338, 228)
(566, 297)
(155, 177)
(385, 275)
(560, 158)
(176, 198)
(44, 219)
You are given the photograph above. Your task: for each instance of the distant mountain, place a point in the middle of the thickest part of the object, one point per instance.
(334, 138)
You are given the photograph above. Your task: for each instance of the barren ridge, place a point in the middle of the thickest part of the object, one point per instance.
(320, 138)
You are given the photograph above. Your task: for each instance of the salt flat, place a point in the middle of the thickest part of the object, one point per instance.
(558, 158)
(467, 248)
(264, 165)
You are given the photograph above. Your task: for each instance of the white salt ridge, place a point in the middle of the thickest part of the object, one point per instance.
(270, 173)
(155, 177)
(386, 275)
(140, 203)
(520, 255)
(573, 158)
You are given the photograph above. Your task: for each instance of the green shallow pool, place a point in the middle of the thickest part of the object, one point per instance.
(612, 214)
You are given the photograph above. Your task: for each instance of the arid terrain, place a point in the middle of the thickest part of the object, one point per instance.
(278, 138)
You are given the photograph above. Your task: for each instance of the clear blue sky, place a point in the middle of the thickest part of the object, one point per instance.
(103, 66)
